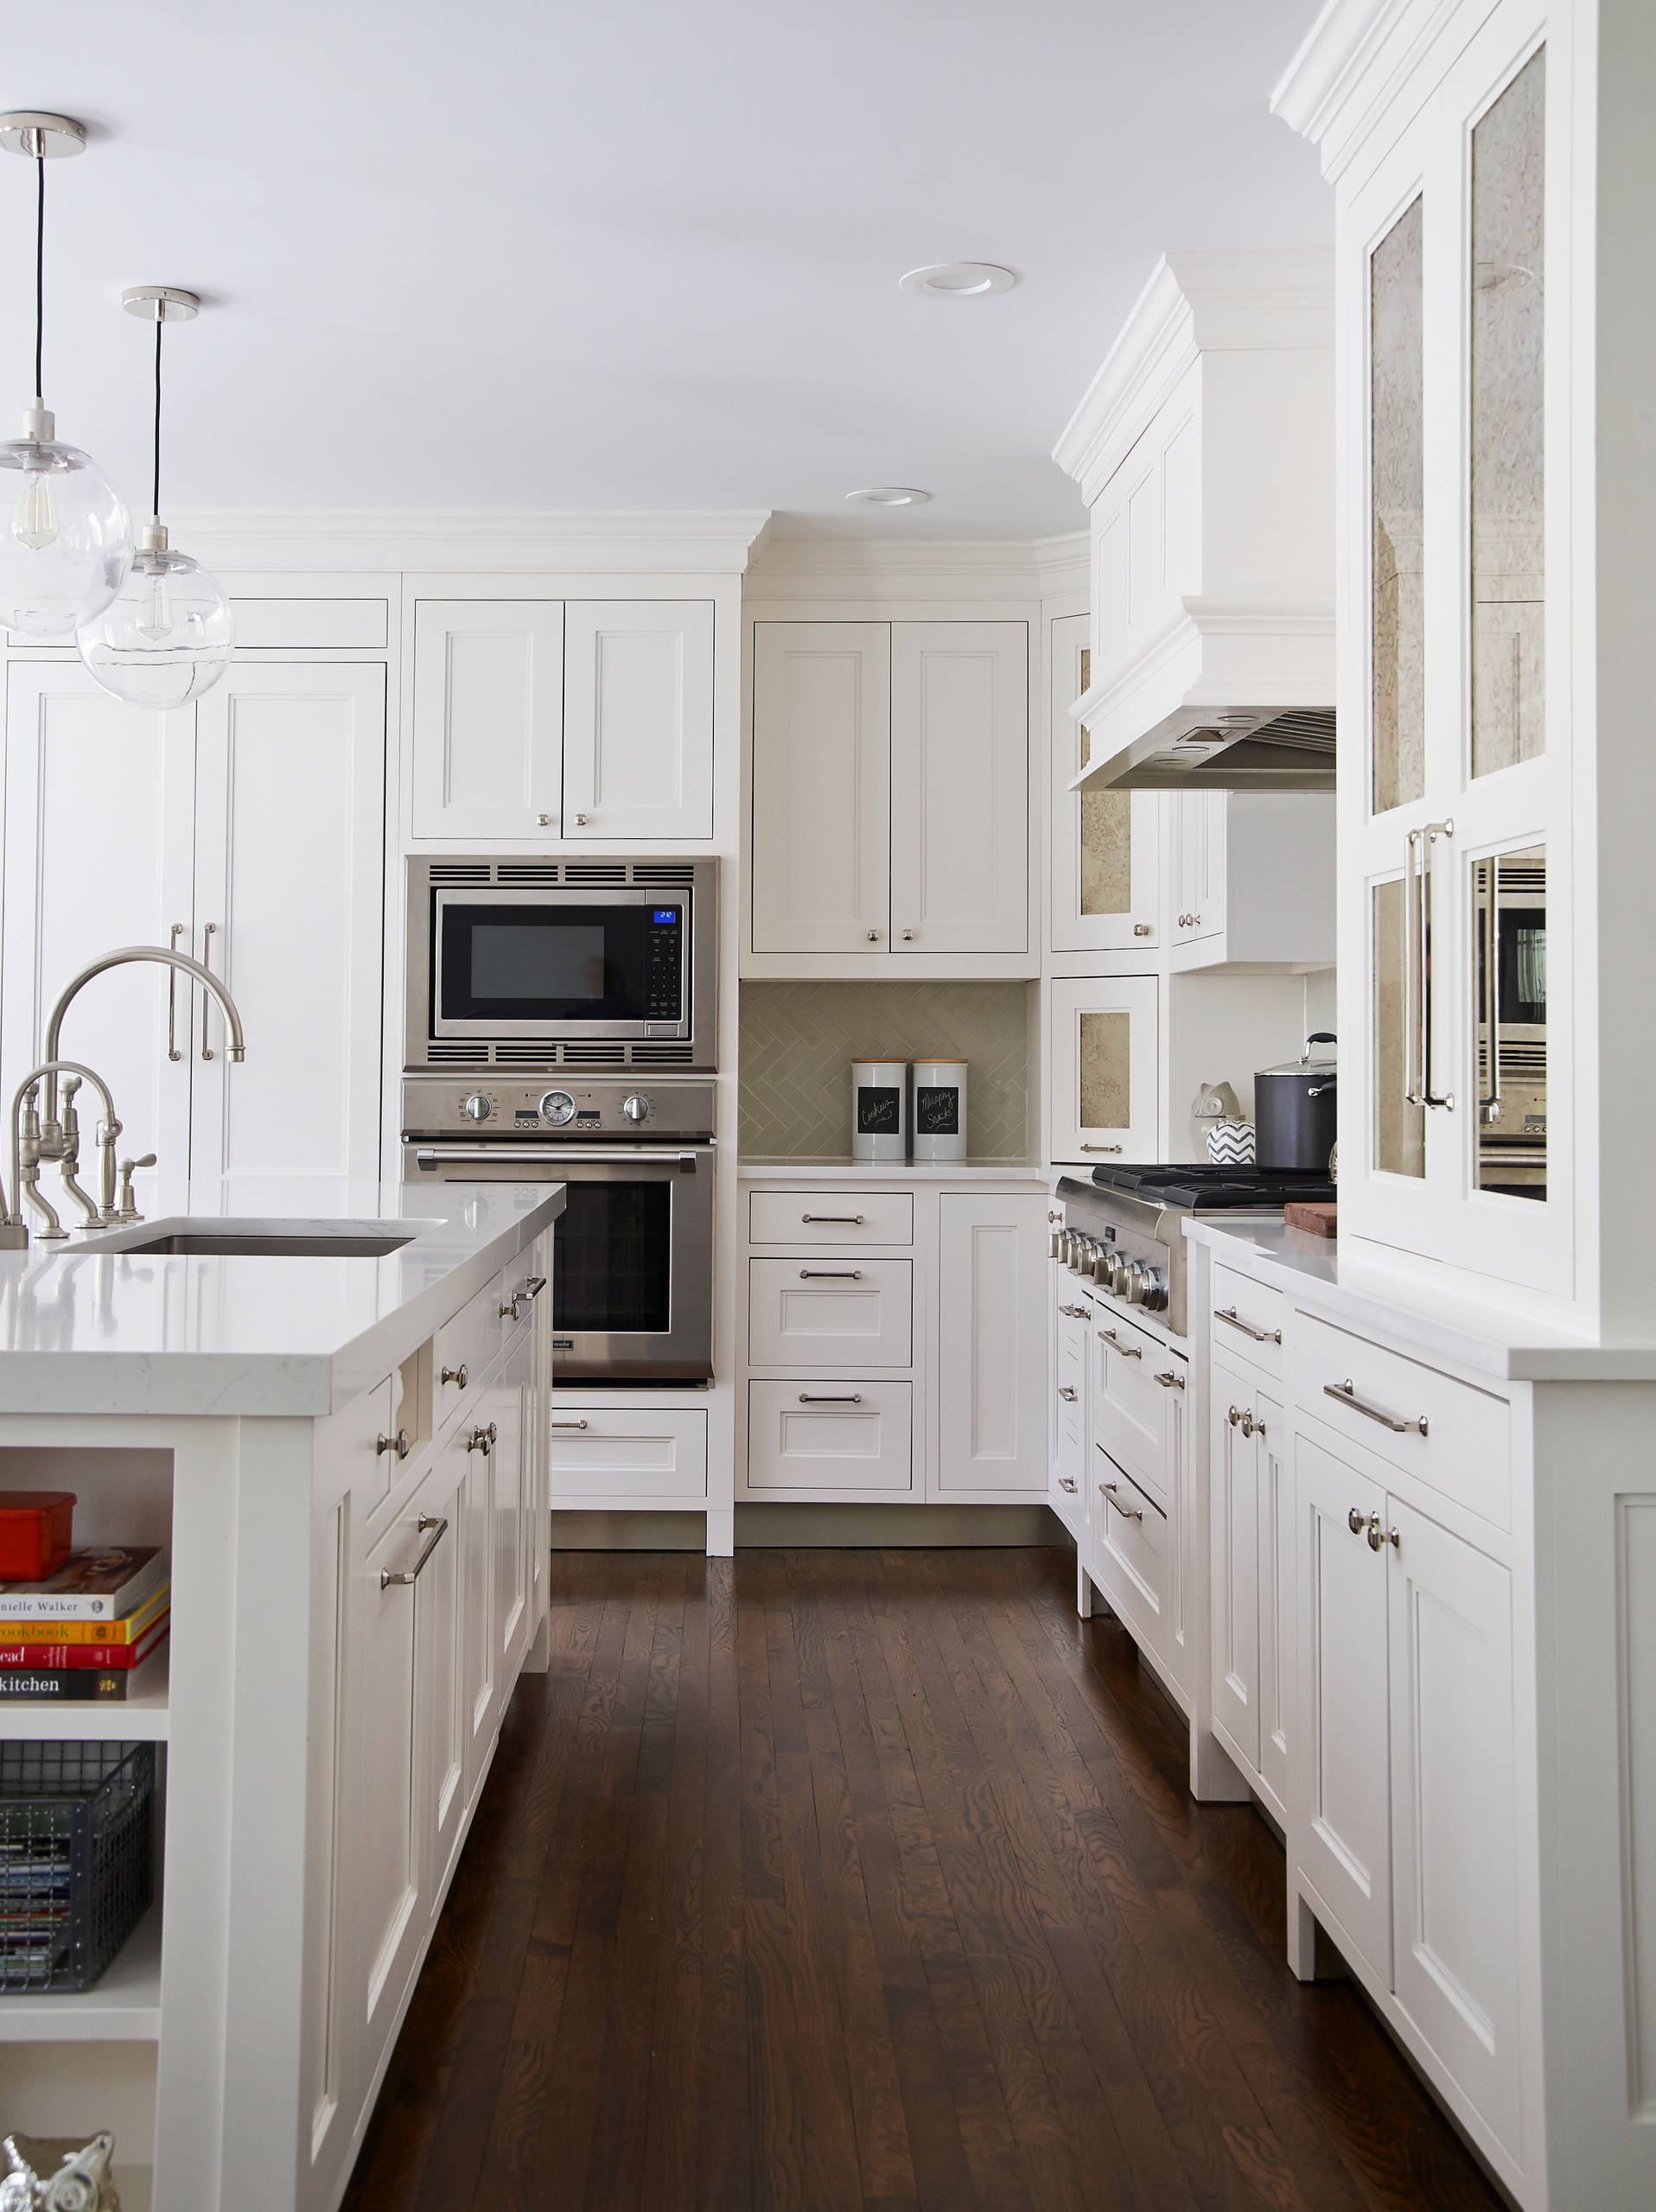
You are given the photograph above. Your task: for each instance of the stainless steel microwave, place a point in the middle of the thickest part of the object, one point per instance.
(521, 962)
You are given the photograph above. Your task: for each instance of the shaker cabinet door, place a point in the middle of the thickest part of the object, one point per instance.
(638, 718)
(488, 717)
(959, 787)
(821, 827)
(1102, 1044)
(1106, 879)
(1344, 1826)
(991, 1344)
(1235, 1460)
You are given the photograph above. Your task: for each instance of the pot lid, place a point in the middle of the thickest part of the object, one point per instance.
(1308, 1063)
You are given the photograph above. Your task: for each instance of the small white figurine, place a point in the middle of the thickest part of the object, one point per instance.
(80, 2182)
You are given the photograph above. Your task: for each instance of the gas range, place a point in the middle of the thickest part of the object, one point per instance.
(1125, 1226)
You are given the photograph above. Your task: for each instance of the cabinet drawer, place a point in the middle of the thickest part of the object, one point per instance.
(1131, 1550)
(1465, 1450)
(1248, 1320)
(830, 1312)
(829, 1436)
(597, 1453)
(830, 1218)
(463, 1347)
(1128, 1404)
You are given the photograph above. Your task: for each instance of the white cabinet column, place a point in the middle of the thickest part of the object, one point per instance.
(290, 906)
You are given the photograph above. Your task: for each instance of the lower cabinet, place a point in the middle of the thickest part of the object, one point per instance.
(600, 1455)
(1407, 1778)
(1069, 1493)
(991, 1344)
(1252, 1580)
(846, 1438)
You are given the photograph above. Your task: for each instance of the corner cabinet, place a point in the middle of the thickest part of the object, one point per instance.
(1466, 419)
(562, 720)
(890, 799)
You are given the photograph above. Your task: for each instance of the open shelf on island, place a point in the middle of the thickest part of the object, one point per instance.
(138, 1718)
(122, 2006)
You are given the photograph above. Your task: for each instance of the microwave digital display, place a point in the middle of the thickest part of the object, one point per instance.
(550, 964)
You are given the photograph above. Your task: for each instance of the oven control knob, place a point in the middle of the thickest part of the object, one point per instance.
(637, 1108)
(556, 1107)
(476, 1108)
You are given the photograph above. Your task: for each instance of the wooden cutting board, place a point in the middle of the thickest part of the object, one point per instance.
(1315, 1216)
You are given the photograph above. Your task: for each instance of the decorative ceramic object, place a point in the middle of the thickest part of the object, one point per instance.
(879, 1116)
(1230, 1144)
(51, 2174)
(939, 1113)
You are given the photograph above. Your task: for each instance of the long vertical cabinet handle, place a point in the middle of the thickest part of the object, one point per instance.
(1412, 993)
(1430, 833)
(1489, 1103)
(173, 935)
(207, 1000)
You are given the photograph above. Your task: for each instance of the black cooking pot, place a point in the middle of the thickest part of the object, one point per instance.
(1294, 1111)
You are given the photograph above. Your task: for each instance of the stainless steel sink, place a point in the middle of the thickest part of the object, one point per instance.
(228, 1239)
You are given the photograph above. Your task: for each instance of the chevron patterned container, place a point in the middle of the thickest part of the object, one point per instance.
(1230, 1144)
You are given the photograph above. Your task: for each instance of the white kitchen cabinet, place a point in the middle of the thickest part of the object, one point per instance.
(991, 1343)
(1070, 1491)
(510, 1471)
(488, 717)
(1102, 1062)
(1104, 888)
(890, 815)
(476, 1535)
(1197, 824)
(600, 1456)
(638, 719)
(440, 1629)
(820, 1437)
(1237, 1449)
(1250, 878)
(1454, 1847)
(821, 786)
(289, 909)
(99, 852)
(246, 830)
(1344, 1827)
(959, 787)
(1274, 1552)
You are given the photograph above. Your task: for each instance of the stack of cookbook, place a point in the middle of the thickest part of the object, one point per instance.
(82, 1631)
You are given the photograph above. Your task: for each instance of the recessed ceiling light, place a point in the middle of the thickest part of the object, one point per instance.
(889, 495)
(959, 280)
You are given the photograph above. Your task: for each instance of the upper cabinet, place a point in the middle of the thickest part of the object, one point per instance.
(1105, 882)
(890, 778)
(1465, 235)
(545, 719)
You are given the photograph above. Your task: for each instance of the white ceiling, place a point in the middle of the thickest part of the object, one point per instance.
(536, 254)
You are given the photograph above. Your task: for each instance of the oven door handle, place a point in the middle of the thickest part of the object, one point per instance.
(659, 1156)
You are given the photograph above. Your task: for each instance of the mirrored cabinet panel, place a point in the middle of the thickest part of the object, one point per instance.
(1397, 496)
(1399, 1118)
(1508, 694)
(1510, 950)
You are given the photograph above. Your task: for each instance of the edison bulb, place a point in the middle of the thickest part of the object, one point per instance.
(67, 540)
(167, 636)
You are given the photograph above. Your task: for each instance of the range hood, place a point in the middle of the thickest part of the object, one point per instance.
(1205, 448)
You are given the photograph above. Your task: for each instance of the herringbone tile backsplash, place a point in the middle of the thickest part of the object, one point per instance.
(798, 1041)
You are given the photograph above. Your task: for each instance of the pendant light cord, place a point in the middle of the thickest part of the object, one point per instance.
(40, 271)
(155, 504)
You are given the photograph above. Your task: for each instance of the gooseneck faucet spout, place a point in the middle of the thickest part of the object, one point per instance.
(121, 957)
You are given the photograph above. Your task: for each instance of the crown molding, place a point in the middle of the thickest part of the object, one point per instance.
(716, 541)
(1194, 303)
(1351, 64)
(919, 568)
(1064, 565)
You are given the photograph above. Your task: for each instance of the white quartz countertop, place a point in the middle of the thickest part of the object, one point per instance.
(89, 1332)
(1477, 1336)
(840, 1169)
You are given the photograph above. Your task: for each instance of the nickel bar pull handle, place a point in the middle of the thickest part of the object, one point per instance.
(1259, 1336)
(1112, 1490)
(454, 1374)
(1127, 1351)
(566, 1424)
(1379, 1536)
(399, 1444)
(482, 1440)
(207, 930)
(830, 1274)
(1066, 1394)
(1065, 1483)
(412, 1573)
(1430, 833)
(820, 1398)
(1399, 1424)
(1076, 1313)
(173, 935)
(1098, 1147)
(844, 1220)
(1172, 1380)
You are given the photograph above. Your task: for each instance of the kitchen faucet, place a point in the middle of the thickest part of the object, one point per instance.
(38, 1131)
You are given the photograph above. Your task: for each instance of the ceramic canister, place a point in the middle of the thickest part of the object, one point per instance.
(879, 1110)
(938, 1110)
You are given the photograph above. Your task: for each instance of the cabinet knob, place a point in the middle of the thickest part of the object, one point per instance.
(1379, 1537)
(482, 1440)
(874, 936)
(1142, 929)
(399, 1444)
(455, 1374)
(1356, 1521)
(579, 821)
(545, 821)
(907, 935)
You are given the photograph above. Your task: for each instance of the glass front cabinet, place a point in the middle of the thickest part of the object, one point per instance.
(1454, 709)
(1105, 844)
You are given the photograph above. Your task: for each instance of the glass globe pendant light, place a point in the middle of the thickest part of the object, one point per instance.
(168, 634)
(66, 536)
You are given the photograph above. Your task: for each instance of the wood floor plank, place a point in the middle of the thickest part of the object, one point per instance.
(833, 1881)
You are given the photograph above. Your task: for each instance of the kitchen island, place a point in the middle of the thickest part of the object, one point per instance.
(345, 1451)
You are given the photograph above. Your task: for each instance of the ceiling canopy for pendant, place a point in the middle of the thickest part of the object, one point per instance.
(167, 635)
(66, 537)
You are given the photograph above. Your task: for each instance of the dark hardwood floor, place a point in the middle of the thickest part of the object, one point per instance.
(832, 1881)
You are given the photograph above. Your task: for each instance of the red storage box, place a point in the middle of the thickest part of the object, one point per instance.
(34, 1526)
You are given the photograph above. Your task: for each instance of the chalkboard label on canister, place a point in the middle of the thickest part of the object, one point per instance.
(879, 1122)
(940, 1115)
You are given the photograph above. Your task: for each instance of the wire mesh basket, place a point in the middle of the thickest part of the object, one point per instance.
(77, 1824)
